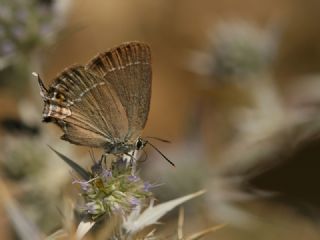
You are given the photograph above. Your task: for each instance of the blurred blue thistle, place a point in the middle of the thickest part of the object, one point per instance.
(25, 26)
(237, 49)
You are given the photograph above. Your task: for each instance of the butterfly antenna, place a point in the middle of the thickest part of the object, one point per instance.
(155, 148)
(159, 139)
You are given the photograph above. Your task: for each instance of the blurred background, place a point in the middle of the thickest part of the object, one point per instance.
(236, 89)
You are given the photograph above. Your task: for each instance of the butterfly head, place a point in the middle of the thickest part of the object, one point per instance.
(141, 143)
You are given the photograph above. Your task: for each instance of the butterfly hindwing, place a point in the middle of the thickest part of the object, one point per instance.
(86, 107)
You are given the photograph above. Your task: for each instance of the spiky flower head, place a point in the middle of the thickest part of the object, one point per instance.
(117, 190)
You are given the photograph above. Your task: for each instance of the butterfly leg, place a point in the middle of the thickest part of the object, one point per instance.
(131, 160)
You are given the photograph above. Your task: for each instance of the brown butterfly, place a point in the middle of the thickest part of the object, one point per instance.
(104, 104)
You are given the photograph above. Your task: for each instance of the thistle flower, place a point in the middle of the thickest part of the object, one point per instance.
(118, 193)
(112, 191)
(109, 191)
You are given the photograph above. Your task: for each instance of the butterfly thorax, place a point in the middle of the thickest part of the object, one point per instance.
(119, 147)
(124, 147)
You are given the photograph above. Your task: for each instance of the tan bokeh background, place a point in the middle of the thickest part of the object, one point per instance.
(195, 118)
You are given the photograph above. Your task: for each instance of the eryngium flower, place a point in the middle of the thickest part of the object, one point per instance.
(112, 191)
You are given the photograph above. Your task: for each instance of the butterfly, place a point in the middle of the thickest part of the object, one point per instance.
(105, 103)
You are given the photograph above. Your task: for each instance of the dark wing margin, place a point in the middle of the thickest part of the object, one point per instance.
(128, 69)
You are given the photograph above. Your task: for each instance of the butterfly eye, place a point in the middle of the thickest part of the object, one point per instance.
(139, 144)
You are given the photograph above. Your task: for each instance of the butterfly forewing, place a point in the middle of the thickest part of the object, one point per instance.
(128, 69)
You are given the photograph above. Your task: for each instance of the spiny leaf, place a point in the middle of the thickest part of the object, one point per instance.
(80, 170)
(135, 222)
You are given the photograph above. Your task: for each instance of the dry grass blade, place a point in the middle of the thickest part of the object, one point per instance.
(109, 228)
(204, 232)
(24, 227)
(180, 223)
(59, 234)
(83, 229)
